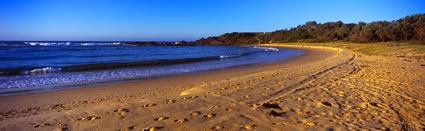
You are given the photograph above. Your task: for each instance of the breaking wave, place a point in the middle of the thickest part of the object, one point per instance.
(267, 48)
(71, 43)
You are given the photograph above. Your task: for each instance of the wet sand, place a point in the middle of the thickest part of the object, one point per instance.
(327, 88)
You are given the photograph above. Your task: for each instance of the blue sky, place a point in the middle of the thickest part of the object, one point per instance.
(170, 20)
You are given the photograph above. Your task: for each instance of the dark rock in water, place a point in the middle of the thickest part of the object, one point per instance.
(143, 43)
(269, 105)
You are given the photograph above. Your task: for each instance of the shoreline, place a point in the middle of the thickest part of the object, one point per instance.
(219, 61)
(33, 107)
(216, 73)
(326, 88)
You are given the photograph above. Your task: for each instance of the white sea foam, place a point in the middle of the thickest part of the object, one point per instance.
(228, 56)
(44, 70)
(267, 48)
(70, 43)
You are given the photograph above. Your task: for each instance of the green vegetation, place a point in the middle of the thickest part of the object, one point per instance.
(382, 48)
(410, 28)
(229, 39)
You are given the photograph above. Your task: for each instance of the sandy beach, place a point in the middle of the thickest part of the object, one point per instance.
(326, 88)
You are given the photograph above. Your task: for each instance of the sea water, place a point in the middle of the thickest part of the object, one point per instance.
(43, 66)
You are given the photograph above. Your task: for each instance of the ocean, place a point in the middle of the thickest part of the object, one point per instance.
(27, 67)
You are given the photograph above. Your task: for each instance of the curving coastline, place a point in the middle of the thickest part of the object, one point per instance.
(327, 88)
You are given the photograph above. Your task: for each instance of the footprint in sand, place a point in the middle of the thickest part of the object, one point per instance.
(307, 123)
(275, 101)
(363, 105)
(217, 127)
(195, 113)
(260, 77)
(119, 117)
(298, 99)
(280, 124)
(161, 118)
(373, 104)
(248, 127)
(122, 110)
(215, 107)
(276, 114)
(228, 109)
(326, 103)
(89, 118)
(152, 128)
(171, 101)
(181, 121)
(62, 127)
(209, 115)
(190, 97)
(254, 105)
(217, 93)
(41, 125)
(127, 129)
(149, 105)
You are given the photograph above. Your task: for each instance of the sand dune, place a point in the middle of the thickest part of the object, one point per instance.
(328, 88)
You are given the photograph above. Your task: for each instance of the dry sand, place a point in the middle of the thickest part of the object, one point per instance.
(327, 88)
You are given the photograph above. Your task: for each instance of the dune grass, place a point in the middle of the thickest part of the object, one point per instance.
(382, 48)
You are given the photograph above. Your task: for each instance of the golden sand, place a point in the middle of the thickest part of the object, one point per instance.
(328, 88)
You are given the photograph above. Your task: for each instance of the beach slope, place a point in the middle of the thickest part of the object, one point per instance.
(326, 88)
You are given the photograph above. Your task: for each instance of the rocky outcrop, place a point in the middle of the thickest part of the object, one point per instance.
(234, 38)
(143, 43)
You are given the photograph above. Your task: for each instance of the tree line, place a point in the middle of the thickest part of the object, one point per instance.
(409, 28)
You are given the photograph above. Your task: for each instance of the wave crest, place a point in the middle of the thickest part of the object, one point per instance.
(44, 70)
(266, 48)
(71, 43)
